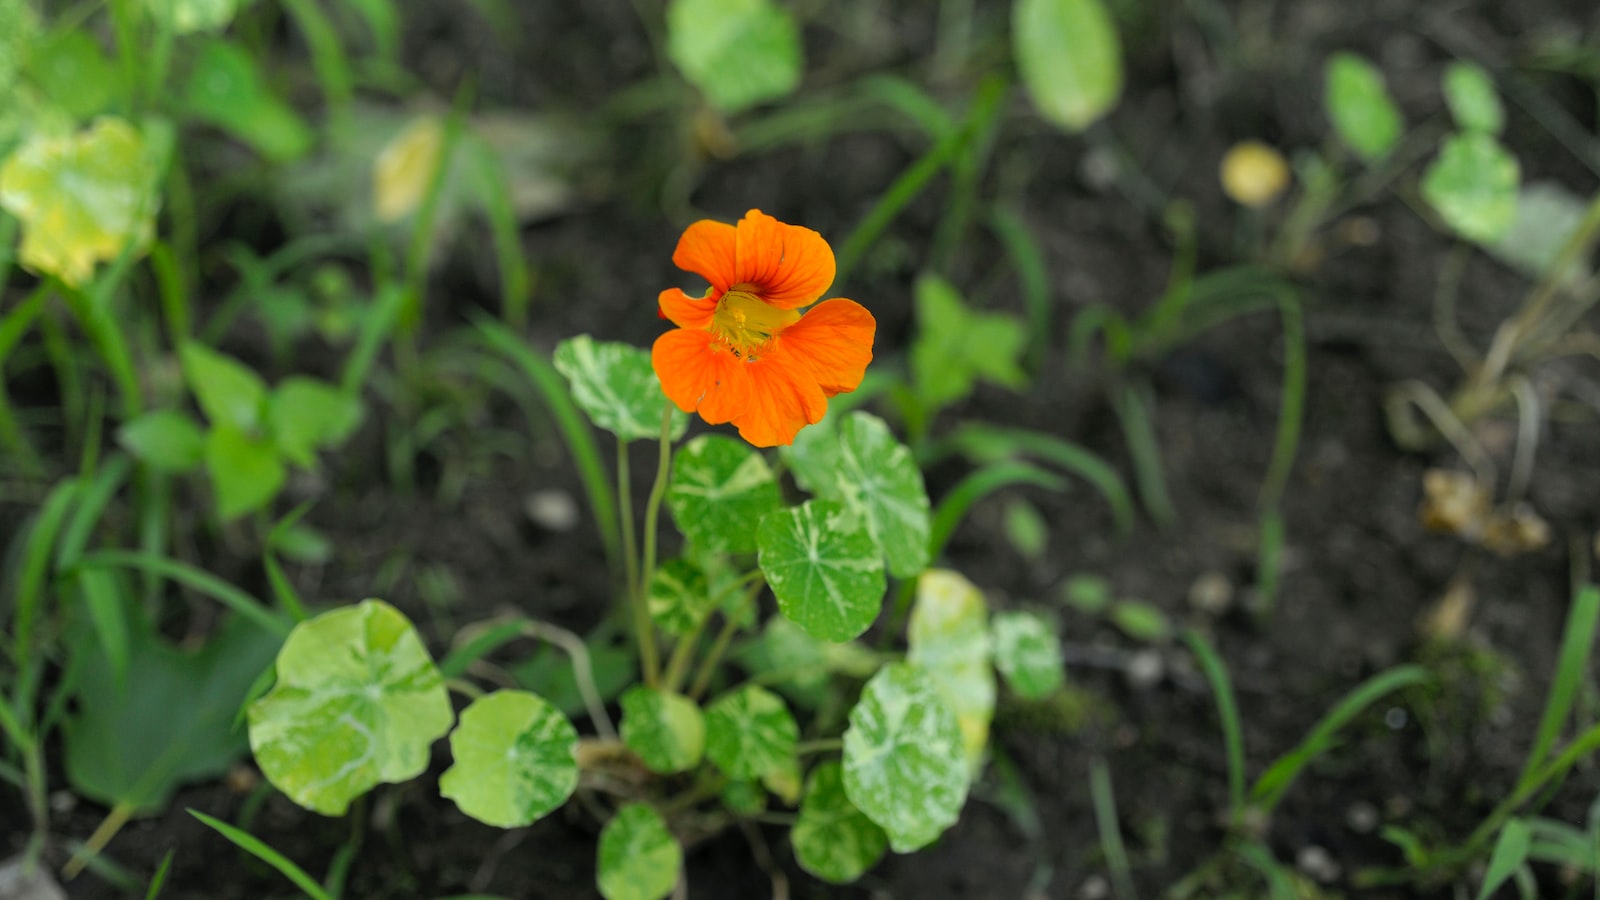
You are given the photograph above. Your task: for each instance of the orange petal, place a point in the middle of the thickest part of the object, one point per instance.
(783, 398)
(708, 249)
(833, 341)
(686, 311)
(700, 375)
(788, 266)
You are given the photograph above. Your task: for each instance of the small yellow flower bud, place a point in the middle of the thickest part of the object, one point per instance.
(1253, 173)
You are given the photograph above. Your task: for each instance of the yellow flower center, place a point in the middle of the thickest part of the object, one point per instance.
(746, 323)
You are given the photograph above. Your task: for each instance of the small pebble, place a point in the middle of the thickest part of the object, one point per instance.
(1094, 887)
(1362, 817)
(34, 884)
(1318, 864)
(1211, 593)
(552, 510)
(1395, 718)
(1145, 669)
(62, 802)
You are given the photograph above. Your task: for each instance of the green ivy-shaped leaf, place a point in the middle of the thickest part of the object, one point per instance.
(824, 568)
(904, 766)
(615, 384)
(859, 463)
(719, 491)
(665, 729)
(1473, 186)
(737, 52)
(1473, 101)
(1359, 105)
(165, 440)
(226, 89)
(955, 347)
(228, 391)
(948, 638)
(1070, 59)
(82, 198)
(516, 759)
(750, 732)
(639, 857)
(679, 596)
(357, 703)
(188, 16)
(307, 415)
(832, 839)
(246, 472)
(1028, 654)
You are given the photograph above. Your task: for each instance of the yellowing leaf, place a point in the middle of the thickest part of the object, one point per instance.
(405, 168)
(81, 198)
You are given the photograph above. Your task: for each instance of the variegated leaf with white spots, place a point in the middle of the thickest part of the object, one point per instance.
(749, 732)
(719, 491)
(948, 638)
(1028, 654)
(824, 568)
(516, 759)
(615, 384)
(832, 839)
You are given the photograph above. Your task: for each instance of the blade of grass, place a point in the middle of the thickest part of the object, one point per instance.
(160, 878)
(1272, 784)
(1228, 713)
(987, 443)
(13, 325)
(901, 192)
(1033, 275)
(327, 59)
(455, 664)
(574, 428)
(1509, 854)
(376, 326)
(197, 579)
(495, 193)
(1133, 411)
(1577, 641)
(252, 845)
(36, 557)
(966, 171)
(1105, 817)
(977, 485)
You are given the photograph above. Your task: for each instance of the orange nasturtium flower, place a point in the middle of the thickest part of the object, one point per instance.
(743, 353)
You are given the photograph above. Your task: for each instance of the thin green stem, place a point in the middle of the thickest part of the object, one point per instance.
(825, 745)
(630, 545)
(649, 659)
(708, 666)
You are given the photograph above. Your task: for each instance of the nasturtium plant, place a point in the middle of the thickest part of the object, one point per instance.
(358, 702)
(1473, 186)
(1028, 654)
(1473, 101)
(82, 199)
(948, 638)
(226, 89)
(1358, 103)
(515, 759)
(904, 766)
(615, 384)
(859, 463)
(679, 596)
(956, 347)
(824, 568)
(750, 732)
(719, 491)
(1070, 58)
(186, 16)
(639, 857)
(832, 839)
(737, 52)
(665, 729)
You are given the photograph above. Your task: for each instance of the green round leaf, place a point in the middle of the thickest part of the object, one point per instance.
(1474, 104)
(165, 440)
(824, 569)
(516, 759)
(81, 198)
(1473, 186)
(737, 52)
(639, 857)
(308, 415)
(246, 473)
(665, 729)
(1028, 654)
(679, 596)
(228, 391)
(358, 702)
(903, 762)
(1360, 108)
(1141, 621)
(948, 638)
(832, 839)
(750, 732)
(615, 384)
(859, 463)
(1070, 59)
(719, 491)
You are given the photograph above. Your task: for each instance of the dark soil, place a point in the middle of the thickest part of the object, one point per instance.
(1359, 568)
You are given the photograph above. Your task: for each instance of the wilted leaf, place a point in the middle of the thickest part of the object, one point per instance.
(406, 167)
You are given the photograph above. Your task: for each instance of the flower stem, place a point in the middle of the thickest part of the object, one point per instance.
(649, 659)
(630, 548)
